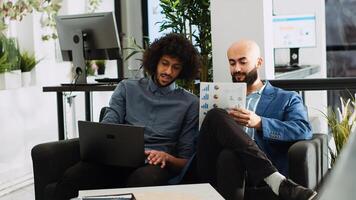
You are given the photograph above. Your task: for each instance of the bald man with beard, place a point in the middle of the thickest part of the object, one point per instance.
(251, 143)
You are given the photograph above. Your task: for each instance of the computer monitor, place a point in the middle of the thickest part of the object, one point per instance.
(294, 32)
(88, 37)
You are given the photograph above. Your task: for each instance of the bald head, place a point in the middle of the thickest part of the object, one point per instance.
(245, 47)
(245, 59)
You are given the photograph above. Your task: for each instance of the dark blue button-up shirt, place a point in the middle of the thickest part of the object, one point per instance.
(169, 114)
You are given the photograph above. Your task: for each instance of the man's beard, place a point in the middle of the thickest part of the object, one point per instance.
(249, 79)
(163, 74)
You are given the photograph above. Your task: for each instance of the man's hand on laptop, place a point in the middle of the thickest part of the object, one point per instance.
(155, 157)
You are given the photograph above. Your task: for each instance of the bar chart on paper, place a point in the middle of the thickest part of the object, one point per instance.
(220, 95)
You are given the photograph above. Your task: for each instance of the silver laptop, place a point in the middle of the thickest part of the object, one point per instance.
(111, 144)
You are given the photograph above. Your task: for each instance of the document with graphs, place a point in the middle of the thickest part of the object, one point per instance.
(221, 95)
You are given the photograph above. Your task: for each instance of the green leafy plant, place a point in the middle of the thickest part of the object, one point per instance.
(100, 66)
(93, 5)
(10, 10)
(341, 122)
(27, 61)
(4, 65)
(90, 69)
(133, 48)
(9, 54)
(14, 54)
(16, 10)
(191, 18)
(49, 10)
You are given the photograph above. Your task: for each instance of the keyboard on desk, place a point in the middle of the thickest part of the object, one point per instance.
(81, 84)
(286, 68)
(109, 80)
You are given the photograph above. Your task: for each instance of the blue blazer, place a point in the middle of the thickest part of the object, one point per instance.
(284, 121)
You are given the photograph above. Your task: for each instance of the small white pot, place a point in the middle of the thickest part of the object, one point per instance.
(10, 80)
(26, 79)
(33, 77)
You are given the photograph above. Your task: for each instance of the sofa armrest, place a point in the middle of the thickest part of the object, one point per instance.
(324, 152)
(302, 161)
(308, 161)
(50, 160)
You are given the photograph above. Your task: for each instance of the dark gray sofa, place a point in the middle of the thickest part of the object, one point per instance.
(308, 163)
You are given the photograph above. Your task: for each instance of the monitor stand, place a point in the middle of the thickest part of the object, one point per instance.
(80, 74)
(294, 56)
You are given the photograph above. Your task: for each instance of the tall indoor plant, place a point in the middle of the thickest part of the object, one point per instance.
(341, 122)
(191, 18)
(10, 73)
(100, 66)
(27, 64)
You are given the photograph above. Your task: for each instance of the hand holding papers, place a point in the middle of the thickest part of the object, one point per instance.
(221, 95)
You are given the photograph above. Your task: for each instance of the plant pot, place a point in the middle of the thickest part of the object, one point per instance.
(28, 78)
(25, 79)
(33, 77)
(91, 79)
(10, 80)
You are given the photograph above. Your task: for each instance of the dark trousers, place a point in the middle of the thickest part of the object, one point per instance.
(233, 182)
(85, 176)
(218, 132)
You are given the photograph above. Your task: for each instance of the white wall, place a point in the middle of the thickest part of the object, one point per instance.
(154, 16)
(308, 56)
(316, 101)
(232, 20)
(28, 116)
(132, 27)
(236, 19)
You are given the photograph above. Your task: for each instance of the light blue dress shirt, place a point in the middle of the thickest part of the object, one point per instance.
(169, 114)
(251, 104)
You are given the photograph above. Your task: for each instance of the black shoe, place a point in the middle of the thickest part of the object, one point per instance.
(289, 190)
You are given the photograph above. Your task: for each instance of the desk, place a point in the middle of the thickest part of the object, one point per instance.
(172, 192)
(304, 71)
(87, 89)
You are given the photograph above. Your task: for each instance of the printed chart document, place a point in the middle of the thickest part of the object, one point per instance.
(221, 95)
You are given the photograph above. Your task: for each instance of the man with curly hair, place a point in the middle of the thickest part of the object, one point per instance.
(168, 113)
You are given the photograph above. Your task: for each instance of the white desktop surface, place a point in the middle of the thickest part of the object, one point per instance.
(299, 73)
(172, 192)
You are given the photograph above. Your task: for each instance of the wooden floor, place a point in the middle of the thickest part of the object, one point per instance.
(26, 193)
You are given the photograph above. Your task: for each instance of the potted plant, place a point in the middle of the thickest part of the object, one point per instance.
(100, 66)
(27, 64)
(4, 65)
(90, 68)
(10, 73)
(130, 53)
(191, 18)
(341, 123)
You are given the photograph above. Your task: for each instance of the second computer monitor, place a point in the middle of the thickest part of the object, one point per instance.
(88, 37)
(294, 32)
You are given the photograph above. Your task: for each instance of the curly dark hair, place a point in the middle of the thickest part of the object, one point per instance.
(176, 46)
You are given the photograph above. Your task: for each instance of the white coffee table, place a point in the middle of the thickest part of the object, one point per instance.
(202, 191)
